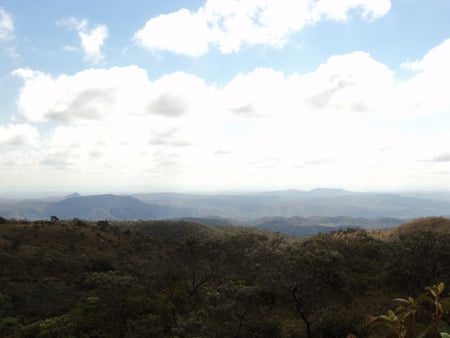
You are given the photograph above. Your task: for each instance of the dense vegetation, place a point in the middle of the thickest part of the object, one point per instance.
(180, 279)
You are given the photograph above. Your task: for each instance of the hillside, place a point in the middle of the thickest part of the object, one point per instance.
(435, 225)
(176, 278)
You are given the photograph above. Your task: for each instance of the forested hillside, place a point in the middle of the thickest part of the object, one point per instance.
(180, 279)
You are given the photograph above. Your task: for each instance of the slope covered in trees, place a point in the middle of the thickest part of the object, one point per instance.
(181, 279)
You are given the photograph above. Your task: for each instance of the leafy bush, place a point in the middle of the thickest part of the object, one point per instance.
(425, 316)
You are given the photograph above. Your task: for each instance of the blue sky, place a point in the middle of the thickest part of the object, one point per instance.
(132, 96)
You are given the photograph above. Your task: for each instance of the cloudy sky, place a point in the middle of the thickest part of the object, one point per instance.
(224, 95)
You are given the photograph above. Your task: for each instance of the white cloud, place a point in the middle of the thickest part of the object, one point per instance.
(18, 134)
(233, 24)
(343, 121)
(102, 95)
(262, 92)
(174, 94)
(349, 82)
(426, 92)
(229, 25)
(6, 25)
(161, 33)
(434, 60)
(91, 40)
(90, 95)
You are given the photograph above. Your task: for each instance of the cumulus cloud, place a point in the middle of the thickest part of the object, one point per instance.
(91, 39)
(245, 110)
(262, 92)
(18, 134)
(228, 25)
(90, 95)
(161, 33)
(173, 94)
(353, 82)
(96, 95)
(110, 118)
(432, 61)
(349, 82)
(168, 105)
(119, 121)
(426, 91)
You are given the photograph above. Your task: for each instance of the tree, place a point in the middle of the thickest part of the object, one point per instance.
(419, 259)
(112, 298)
(310, 276)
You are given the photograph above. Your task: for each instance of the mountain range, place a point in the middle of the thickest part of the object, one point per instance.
(96, 207)
(295, 212)
(291, 203)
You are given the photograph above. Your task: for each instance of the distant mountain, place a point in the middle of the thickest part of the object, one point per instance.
(110, 207)
(95, 207)
(75, 194)
(291, 203)
(319, 192)
(29, 209)
(230, 208)
(327, 192)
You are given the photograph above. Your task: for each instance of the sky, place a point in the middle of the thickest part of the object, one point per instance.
(224, 95)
